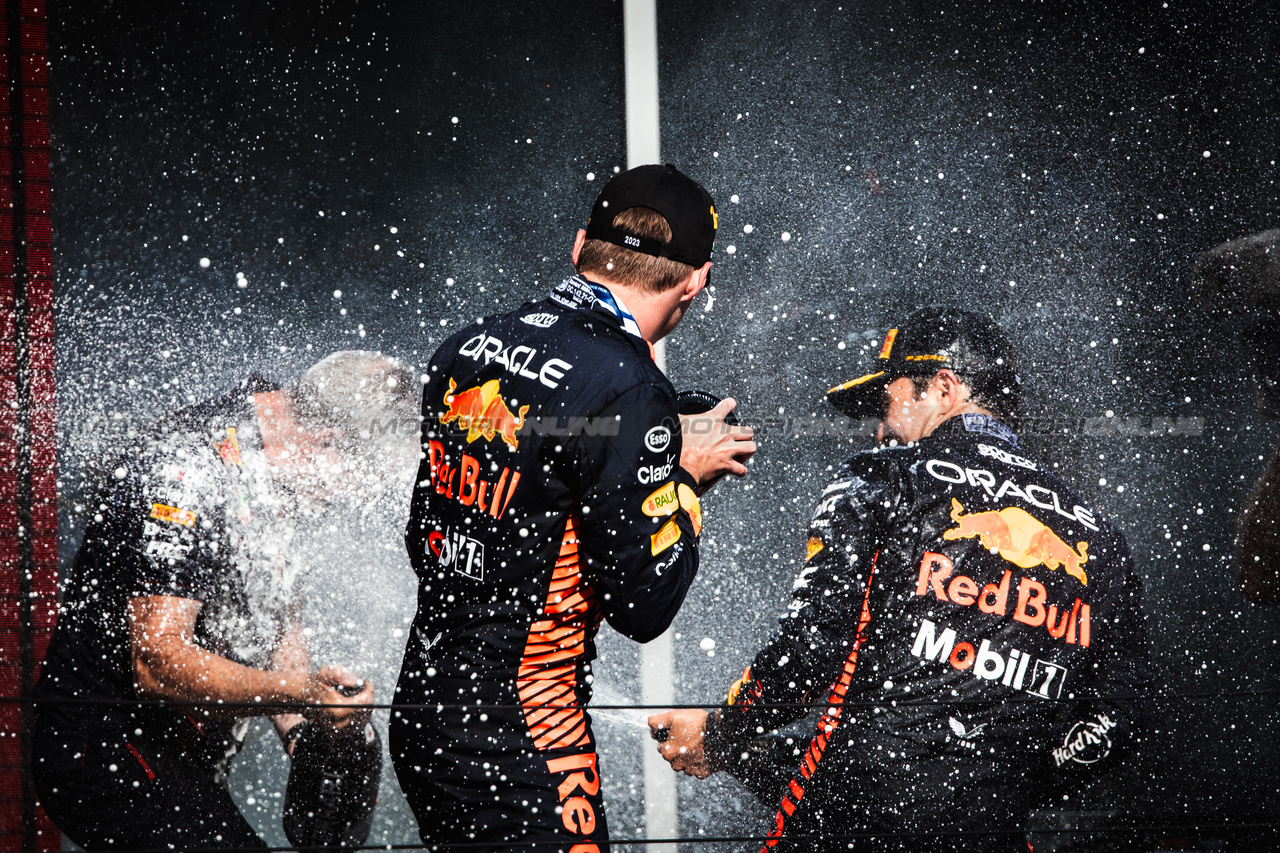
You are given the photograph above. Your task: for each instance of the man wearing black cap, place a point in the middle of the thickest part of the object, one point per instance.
(555, 490)
(964, 624)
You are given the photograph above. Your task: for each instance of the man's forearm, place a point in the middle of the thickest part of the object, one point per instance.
(167, 663)
(291, 653)
(186, 672)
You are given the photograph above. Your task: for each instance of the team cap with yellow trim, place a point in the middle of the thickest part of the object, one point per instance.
(933, 338)
(685, 205)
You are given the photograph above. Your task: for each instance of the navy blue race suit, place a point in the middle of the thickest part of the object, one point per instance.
(550, 495)
(189, 512)
(965, 623)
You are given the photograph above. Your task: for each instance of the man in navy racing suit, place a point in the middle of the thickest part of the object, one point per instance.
(555, 489)
(964, 623)
(179, 618)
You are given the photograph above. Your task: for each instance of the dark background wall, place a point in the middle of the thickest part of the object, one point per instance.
(1043, 162)
(1058, 166)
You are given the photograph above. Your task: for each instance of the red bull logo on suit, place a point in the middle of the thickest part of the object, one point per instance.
(1070, 623)
(1020, 538)
(481, 412)
(462, 482)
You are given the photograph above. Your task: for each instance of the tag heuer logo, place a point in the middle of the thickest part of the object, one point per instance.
(542, 320)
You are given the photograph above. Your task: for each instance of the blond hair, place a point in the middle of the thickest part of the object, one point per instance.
(629, 267)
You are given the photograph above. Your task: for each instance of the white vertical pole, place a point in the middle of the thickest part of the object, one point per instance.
(640, 36)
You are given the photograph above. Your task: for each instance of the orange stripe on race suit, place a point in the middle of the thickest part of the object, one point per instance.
(794, 793)
(546, 678)
(550, 711)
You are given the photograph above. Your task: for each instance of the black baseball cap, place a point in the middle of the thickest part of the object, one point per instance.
(972, 346)
(685, 205)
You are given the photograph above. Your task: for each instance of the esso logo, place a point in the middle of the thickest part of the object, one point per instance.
(654, 473)
(657, 439)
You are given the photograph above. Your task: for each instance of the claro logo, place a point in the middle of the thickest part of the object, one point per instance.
(655, 473)
(577, 812)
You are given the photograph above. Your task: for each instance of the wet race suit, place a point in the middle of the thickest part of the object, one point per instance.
(189, 514)
(953, 593)
(550, 495)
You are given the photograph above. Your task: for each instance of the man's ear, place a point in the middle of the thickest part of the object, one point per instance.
(577, 246)
(953, 391)
(695, 282)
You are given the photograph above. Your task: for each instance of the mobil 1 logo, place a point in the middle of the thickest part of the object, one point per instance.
(1012, 668)
(1046, 680)
(462, 554)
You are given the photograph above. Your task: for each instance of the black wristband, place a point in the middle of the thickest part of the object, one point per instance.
(715, 746)
(291, 737)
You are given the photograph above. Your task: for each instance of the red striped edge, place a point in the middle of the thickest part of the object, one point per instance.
(138, 755)
(827, 724)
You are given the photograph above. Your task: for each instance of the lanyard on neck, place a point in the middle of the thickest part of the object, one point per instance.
(978, 422)
(577, 292)
(605, 297)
